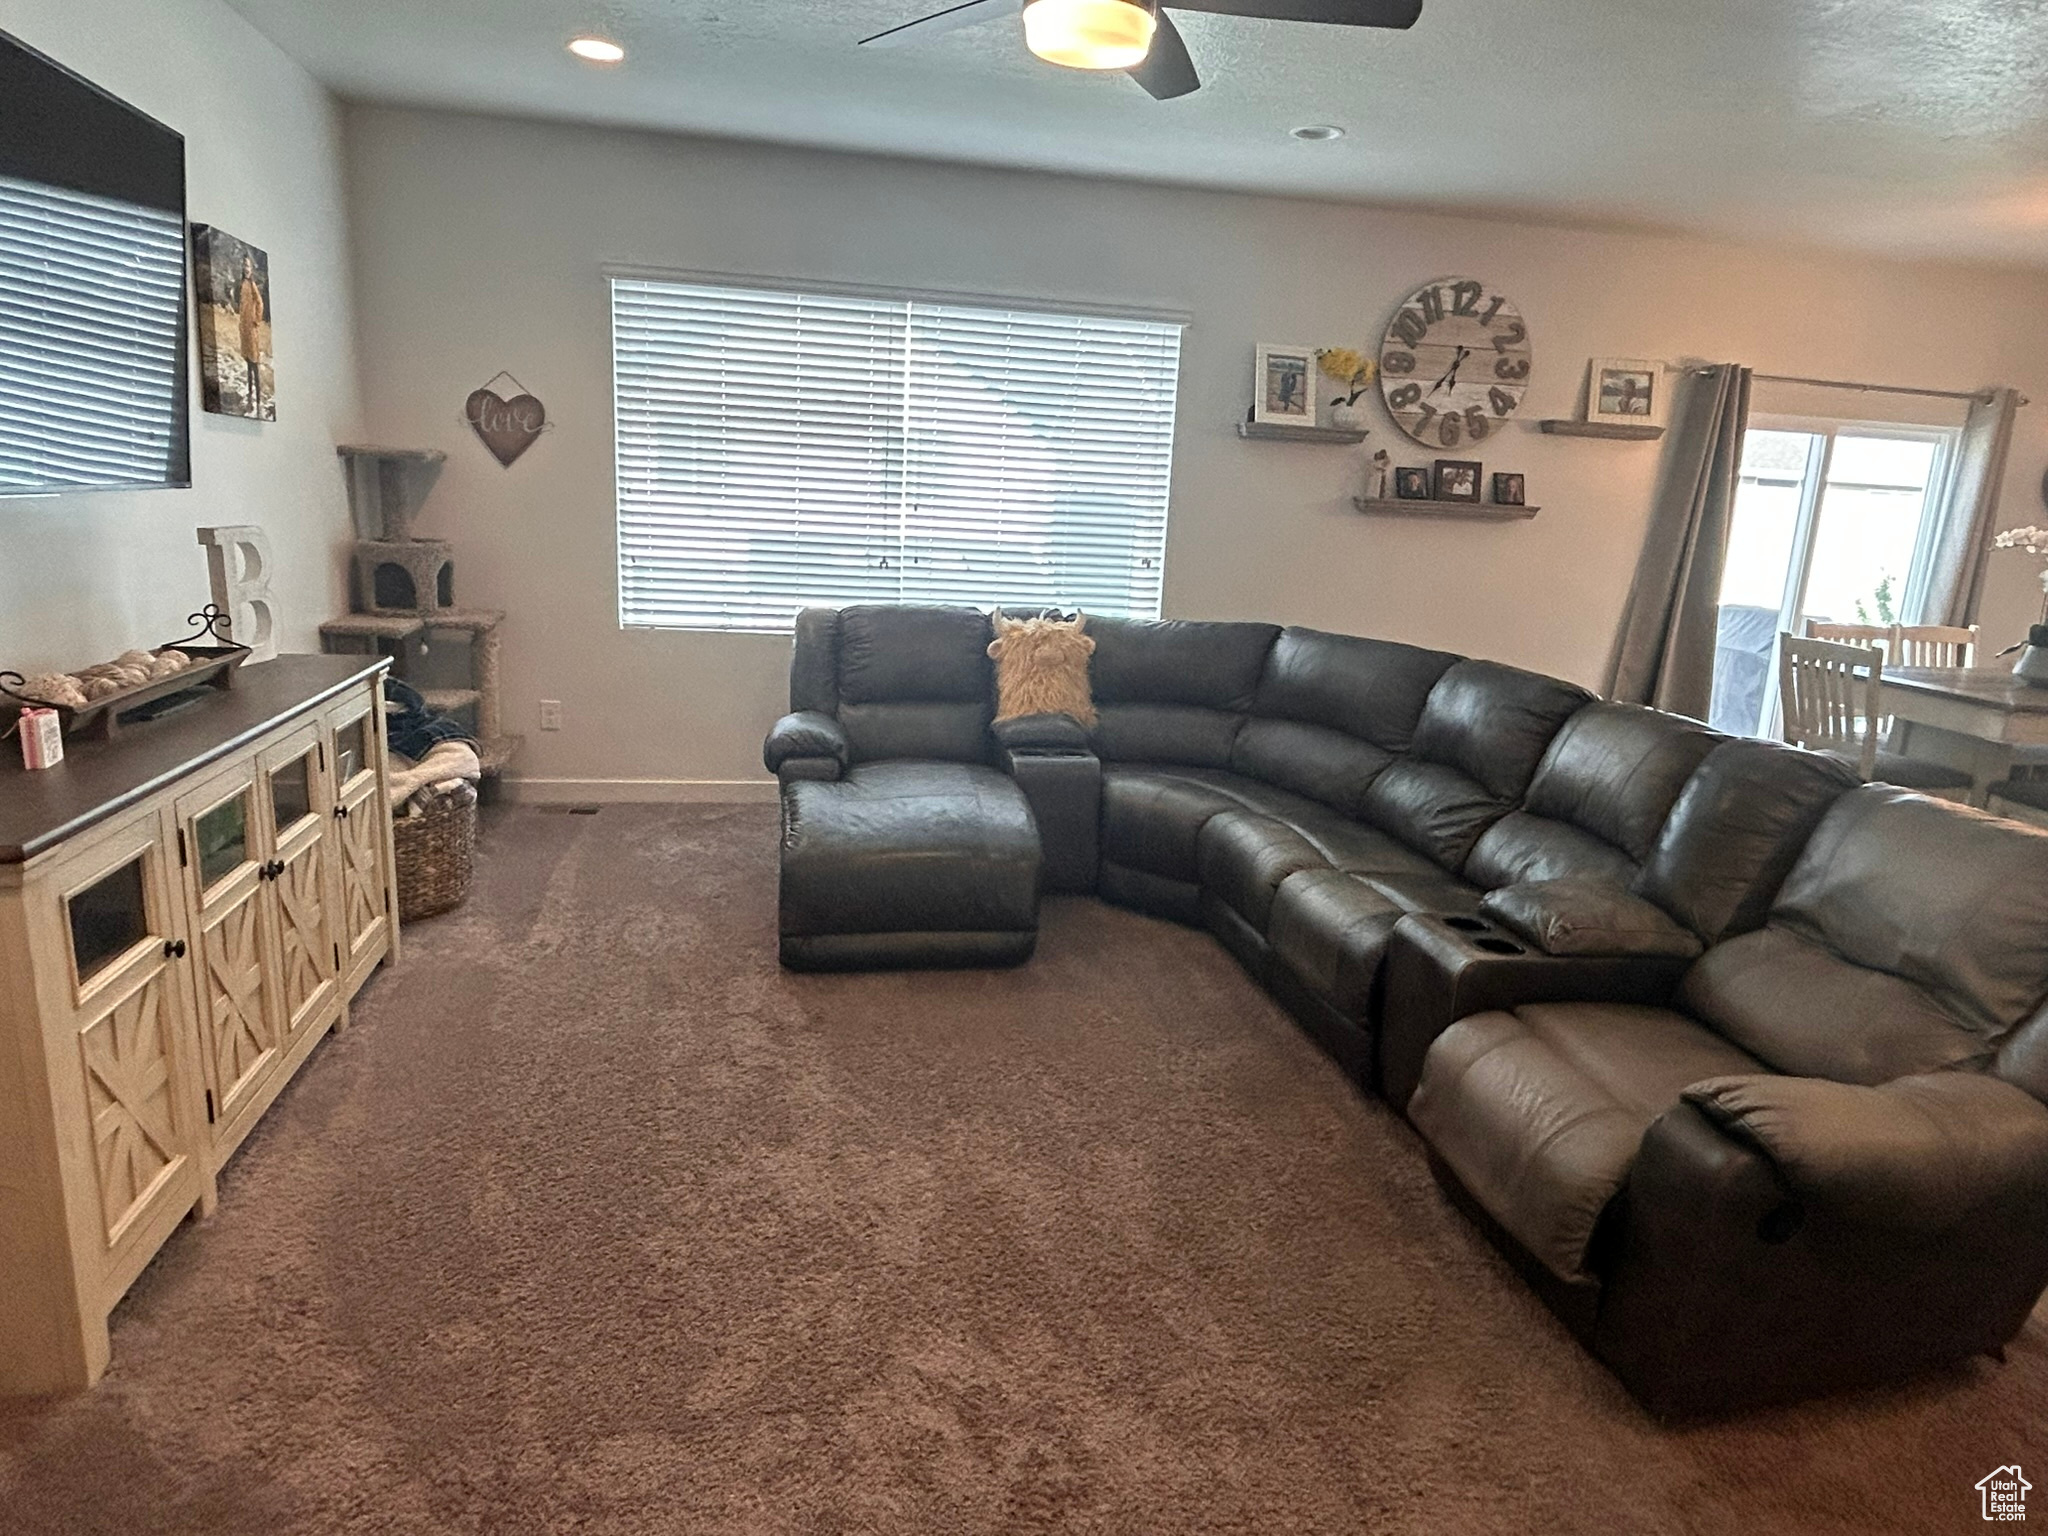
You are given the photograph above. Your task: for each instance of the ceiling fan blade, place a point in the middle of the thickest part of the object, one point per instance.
(970, 14)
(1167, 71)
(1335, 13)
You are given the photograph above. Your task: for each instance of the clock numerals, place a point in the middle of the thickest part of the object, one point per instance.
(1400, 399)
(1426, 412)
(1432, 301)
(1501, 401)
(1411, 327)
(1492, 310)
(1476, 423)
(1439, 332)
(1397, 362)
(1450, 429)
(1465, 297)
(1511, 368)
(1513, 336)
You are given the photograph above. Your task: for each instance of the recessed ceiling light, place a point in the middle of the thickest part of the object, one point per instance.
(1317, 133)
(597, 50)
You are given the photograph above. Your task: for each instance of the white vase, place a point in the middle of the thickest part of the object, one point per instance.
(1350, 418)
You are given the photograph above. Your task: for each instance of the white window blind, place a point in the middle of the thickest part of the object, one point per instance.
(91, 297)
(778, 450)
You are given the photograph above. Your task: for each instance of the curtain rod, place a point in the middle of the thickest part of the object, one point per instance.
(1878, 389)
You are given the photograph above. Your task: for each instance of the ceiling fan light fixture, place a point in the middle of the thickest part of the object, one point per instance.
(1089, 34)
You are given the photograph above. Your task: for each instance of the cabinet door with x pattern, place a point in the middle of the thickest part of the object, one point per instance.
(297, 810)
(242, 1026)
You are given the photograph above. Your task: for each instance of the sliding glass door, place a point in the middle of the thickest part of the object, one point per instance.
(1831, 524)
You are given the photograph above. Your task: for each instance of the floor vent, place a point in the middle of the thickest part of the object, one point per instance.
(568, 810)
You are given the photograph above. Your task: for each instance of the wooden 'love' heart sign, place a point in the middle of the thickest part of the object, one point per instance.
(507, 427)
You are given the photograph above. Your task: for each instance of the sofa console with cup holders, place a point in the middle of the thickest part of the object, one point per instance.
(1742, 1063)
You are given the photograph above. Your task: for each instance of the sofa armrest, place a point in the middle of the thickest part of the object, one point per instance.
(1918, 1154)
(1589, 917)
(1044, 732)
(1728, 1287)
(1442, 969)
(807, 742)
(1064, 787)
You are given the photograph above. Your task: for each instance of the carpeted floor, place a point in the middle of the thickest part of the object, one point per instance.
(597, 1221)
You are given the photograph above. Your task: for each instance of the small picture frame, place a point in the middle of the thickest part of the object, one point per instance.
(1457, 480)
(1284, 385)
(1509, 490)
(1411, 483)
(1625, 391)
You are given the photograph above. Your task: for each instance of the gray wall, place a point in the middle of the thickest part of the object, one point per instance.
(84, 577)
(480, 245)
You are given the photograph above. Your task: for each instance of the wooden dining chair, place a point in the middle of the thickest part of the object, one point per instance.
(1829, 692)
(1933, 645)
(1879, 635)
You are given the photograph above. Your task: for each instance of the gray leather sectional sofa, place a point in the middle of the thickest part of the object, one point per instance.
(1741, 1062)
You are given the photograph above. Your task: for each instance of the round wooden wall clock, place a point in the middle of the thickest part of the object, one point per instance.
(1454, 363)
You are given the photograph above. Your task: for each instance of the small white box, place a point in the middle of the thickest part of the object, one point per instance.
(42, 739)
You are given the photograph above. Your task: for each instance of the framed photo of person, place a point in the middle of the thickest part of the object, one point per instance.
(1457, 480)
(1411, 483)
(1509, 490)
(1625, 391)
(1283, 385)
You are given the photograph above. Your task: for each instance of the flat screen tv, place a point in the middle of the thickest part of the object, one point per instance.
(93, 306)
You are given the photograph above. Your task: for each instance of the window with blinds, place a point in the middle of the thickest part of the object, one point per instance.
(92, 359)
(781, 450)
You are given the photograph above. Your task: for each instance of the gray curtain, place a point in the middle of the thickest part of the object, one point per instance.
(1969, 513)
(1664, 654)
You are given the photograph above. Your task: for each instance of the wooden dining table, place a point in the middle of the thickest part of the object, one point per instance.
(1979, 719)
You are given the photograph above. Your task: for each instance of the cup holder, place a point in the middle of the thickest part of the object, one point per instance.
(1466, 924)
(1499, 947)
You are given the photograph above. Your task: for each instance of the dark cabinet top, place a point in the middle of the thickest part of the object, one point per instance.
(99, 779)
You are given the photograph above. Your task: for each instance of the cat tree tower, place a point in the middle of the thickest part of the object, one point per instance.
(402, 591)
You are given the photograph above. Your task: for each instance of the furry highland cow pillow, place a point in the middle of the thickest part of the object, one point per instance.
(1042, 667)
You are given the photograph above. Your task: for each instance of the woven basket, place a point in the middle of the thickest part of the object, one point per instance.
(436, 853)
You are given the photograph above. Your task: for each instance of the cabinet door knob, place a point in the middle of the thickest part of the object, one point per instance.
(174, 949)
(341, 813)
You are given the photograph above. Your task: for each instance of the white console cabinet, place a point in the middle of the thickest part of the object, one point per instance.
(185, 910)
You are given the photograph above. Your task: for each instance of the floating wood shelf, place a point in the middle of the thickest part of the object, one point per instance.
(1614, 429)
(375, 451)
(1472, 511)
(1270, 432)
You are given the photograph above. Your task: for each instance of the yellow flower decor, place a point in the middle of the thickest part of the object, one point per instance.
(1351, 368)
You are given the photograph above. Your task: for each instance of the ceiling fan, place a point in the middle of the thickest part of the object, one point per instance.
(1138, 36)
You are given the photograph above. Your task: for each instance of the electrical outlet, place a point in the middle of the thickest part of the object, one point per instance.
(551, 714)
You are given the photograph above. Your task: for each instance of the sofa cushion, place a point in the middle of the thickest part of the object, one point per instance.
(1243, 858)
(1330, 930)
(1946, 897)
(1433, 808)
(891, 654)
(1372, 690)
(1311, 760)
(1481, 735)
(1165, 733)
(955, 733)
(1540, 1112)
(1521, 847)
(1177, 661)
(1739, 825)
(1424, 890)
(1494, 723)
(1615, 771)
(906, 848)
(1152, 814)
(1800, 1008)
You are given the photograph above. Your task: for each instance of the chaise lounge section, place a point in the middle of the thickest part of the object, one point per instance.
(1741, 1063)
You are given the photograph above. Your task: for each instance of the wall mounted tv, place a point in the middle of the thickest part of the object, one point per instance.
(93, 307)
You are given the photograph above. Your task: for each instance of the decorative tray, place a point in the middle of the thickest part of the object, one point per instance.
(213, 666)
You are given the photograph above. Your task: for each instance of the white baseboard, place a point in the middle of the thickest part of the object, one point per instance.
(531, 791)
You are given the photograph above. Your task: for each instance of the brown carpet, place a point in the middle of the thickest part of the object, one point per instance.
(597, 1221)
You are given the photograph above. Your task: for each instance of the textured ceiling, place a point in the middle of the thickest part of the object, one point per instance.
(1910, 126)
